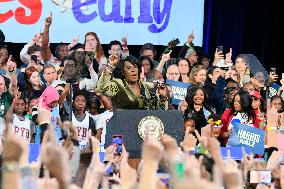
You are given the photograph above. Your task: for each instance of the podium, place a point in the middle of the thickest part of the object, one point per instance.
(130, 123)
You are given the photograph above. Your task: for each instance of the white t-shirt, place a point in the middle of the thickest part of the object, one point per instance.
(22, 128)
(243, 120)
(101, 123)
(95, 117)
(82, 129)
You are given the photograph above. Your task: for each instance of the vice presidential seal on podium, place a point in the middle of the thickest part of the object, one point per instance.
(132, 124)
(154, 126)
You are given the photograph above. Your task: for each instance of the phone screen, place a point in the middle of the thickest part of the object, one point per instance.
(118, 141)
(273, 70)
(165, 178)
(260, 177)
(220, 48)
(110, 171)
(34, 58)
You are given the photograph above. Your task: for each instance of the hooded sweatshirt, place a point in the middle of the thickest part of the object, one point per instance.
(48, 96)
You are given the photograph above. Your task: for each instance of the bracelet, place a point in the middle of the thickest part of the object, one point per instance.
(108, 70)
(110, 65)
(188, 45)
(10, 167)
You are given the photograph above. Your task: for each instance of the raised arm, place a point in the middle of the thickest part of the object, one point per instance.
(165, 58)
(186, 46)
(46, 55)
(105, 85)
(11, 74)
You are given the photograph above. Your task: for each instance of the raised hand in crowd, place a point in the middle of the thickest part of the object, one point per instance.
(74, 42)
(189, 141)
(164, 59)
(48, 20)
(36, 39)
(152, 153)
(183, 105)
(218, 56)
(190, 38)
(228, 60)
(232, 174)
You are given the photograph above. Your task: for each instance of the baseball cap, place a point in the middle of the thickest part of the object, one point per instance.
(255, 94)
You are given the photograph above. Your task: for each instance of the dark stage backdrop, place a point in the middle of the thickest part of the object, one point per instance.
(248, 26)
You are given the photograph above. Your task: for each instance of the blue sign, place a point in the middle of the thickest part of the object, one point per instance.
(179, 90)
(249, 137)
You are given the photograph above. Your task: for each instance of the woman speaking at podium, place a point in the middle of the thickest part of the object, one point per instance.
(126, 90)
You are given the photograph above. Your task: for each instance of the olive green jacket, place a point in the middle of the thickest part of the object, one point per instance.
(121, 94)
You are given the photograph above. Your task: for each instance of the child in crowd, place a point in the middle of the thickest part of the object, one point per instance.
(189, 123)
(277, 103)
(82, 120)
(22, 126)
(215, 125)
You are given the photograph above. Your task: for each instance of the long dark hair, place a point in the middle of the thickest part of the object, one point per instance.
(277, 97)
(245, 102)
(189, 67)
(191, 91)
(29, 90)
(141, 58)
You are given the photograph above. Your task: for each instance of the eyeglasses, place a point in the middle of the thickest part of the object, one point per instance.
(171, 74)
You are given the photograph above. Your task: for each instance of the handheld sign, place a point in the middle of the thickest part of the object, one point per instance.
(179, 90)
(249, 137)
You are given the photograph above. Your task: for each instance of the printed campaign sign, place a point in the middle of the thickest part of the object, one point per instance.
(179, 90)
(249, 137)
(155, 21)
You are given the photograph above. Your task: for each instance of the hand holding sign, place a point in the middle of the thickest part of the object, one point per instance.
(249, 137)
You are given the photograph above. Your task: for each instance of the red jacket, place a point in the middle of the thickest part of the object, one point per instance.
(226, 120)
